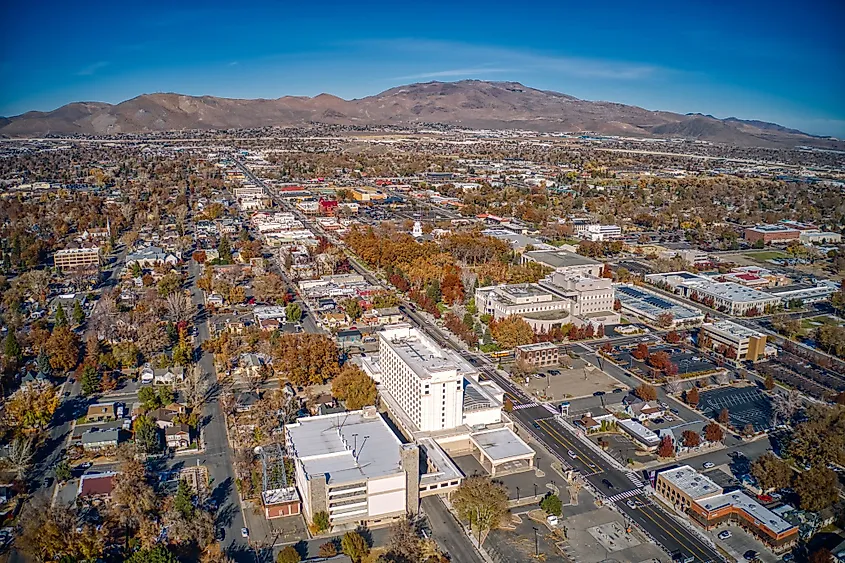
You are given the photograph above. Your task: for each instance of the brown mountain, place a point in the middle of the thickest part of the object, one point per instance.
(468, 103)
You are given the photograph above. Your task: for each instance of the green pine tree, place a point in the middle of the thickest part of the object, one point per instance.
(12, 347)
(90, 381)
(225, 251)
(44, 367)
(78, 314)
(182, 502)
(61, 317)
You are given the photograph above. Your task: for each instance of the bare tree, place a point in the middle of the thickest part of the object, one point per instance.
(179, 307)
(674, 386)
(195, 387)
(785, 405)
(21, 452)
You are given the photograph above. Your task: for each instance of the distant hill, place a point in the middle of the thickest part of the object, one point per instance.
(468, 103)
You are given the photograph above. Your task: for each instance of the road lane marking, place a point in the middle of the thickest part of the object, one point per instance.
(695, 543)
(565, 442)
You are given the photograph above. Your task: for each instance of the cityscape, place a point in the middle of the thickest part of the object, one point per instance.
(460, 320)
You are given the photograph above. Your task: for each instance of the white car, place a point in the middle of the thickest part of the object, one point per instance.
(725, 534)
(709, 465)
(244, 532)
(631, 503)
(571, 454)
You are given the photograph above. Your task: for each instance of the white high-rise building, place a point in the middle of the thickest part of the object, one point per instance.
(425, 380)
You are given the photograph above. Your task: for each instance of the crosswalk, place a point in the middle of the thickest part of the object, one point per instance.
(524, 406)
(635, 479)
(622, 496)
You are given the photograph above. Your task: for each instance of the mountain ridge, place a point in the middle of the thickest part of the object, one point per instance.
(466, 103)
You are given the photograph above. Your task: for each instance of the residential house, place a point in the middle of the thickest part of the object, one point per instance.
(246, 401)
(96, 440)
(96, 486)
(384, 316)
(178, 436)
(214, 300)
(101, 412)
(248, 366)
(163, 417)
(349, 337)
(644, 410)
(168, 376)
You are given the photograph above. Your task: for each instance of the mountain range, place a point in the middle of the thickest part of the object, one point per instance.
(467, 103)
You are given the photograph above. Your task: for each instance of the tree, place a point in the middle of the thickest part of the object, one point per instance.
(821, 555)
(354, 546)
(771, 472)
(63, 349)
(482, 502)
(306, 359)
(352, 308)
(289, 555)
(552, 505)
(769, 382)
(354, 387)
(157, 554)
(78, 314)
(785, 405)
(725, 416)
(63, 472)
(508, 405)
(180, 308)
(821, 439)
(32, 406)
(666, 449)
(237, 295)
(183, 355)
(327, 550)
(511, 332)
(19, 456)
(270, 288)
(641, 351)
(133, 500)
(321, 521)
(149, 398)
(61, 316)
(147, 439)
(11, 347)
(748, 430)
(817, 488)
(54, 533)
(293, 312)
(405, 544)
(713, 432)
(90, 381)
(43, 363)
(183, 500)
(665, 320)
(673, 337)
(646, 392)
(692, 397)
(673, 386)
(690, 438)
(224, 251)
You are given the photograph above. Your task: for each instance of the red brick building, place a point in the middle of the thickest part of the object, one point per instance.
(771, 234)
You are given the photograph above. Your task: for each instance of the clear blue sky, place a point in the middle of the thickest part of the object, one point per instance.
(771, 60)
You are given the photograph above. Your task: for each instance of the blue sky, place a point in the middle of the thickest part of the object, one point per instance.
(775, 60)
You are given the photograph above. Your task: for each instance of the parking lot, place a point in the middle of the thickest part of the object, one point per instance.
(746, 405)
(581, 381)
(688, 361)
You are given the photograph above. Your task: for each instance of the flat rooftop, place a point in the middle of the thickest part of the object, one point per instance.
(560, 258)
(424, 356)
(730, 291)
(537, 346)
(750, 506)
(773, 228)
(501, 444)
(653, 304)
(324, 445)
(734, 329)
(691, 482)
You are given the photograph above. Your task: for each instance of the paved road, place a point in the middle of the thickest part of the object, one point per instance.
(218, 456)
(448, 533)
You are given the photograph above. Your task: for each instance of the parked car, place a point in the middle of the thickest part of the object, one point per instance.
(724, 534)
(554, 372)
(244, 532)
(618, 390)
(750, 555)
(709, 465)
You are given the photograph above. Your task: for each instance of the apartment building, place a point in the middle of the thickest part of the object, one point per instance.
(748, 343)
(69, 259)
(352, 466)
(425, 380)
(709, 505)
(541, 354)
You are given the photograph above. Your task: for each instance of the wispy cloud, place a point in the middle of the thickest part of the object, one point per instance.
(483, 58)
(233, 63)
(92, 68)
(454, 72)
